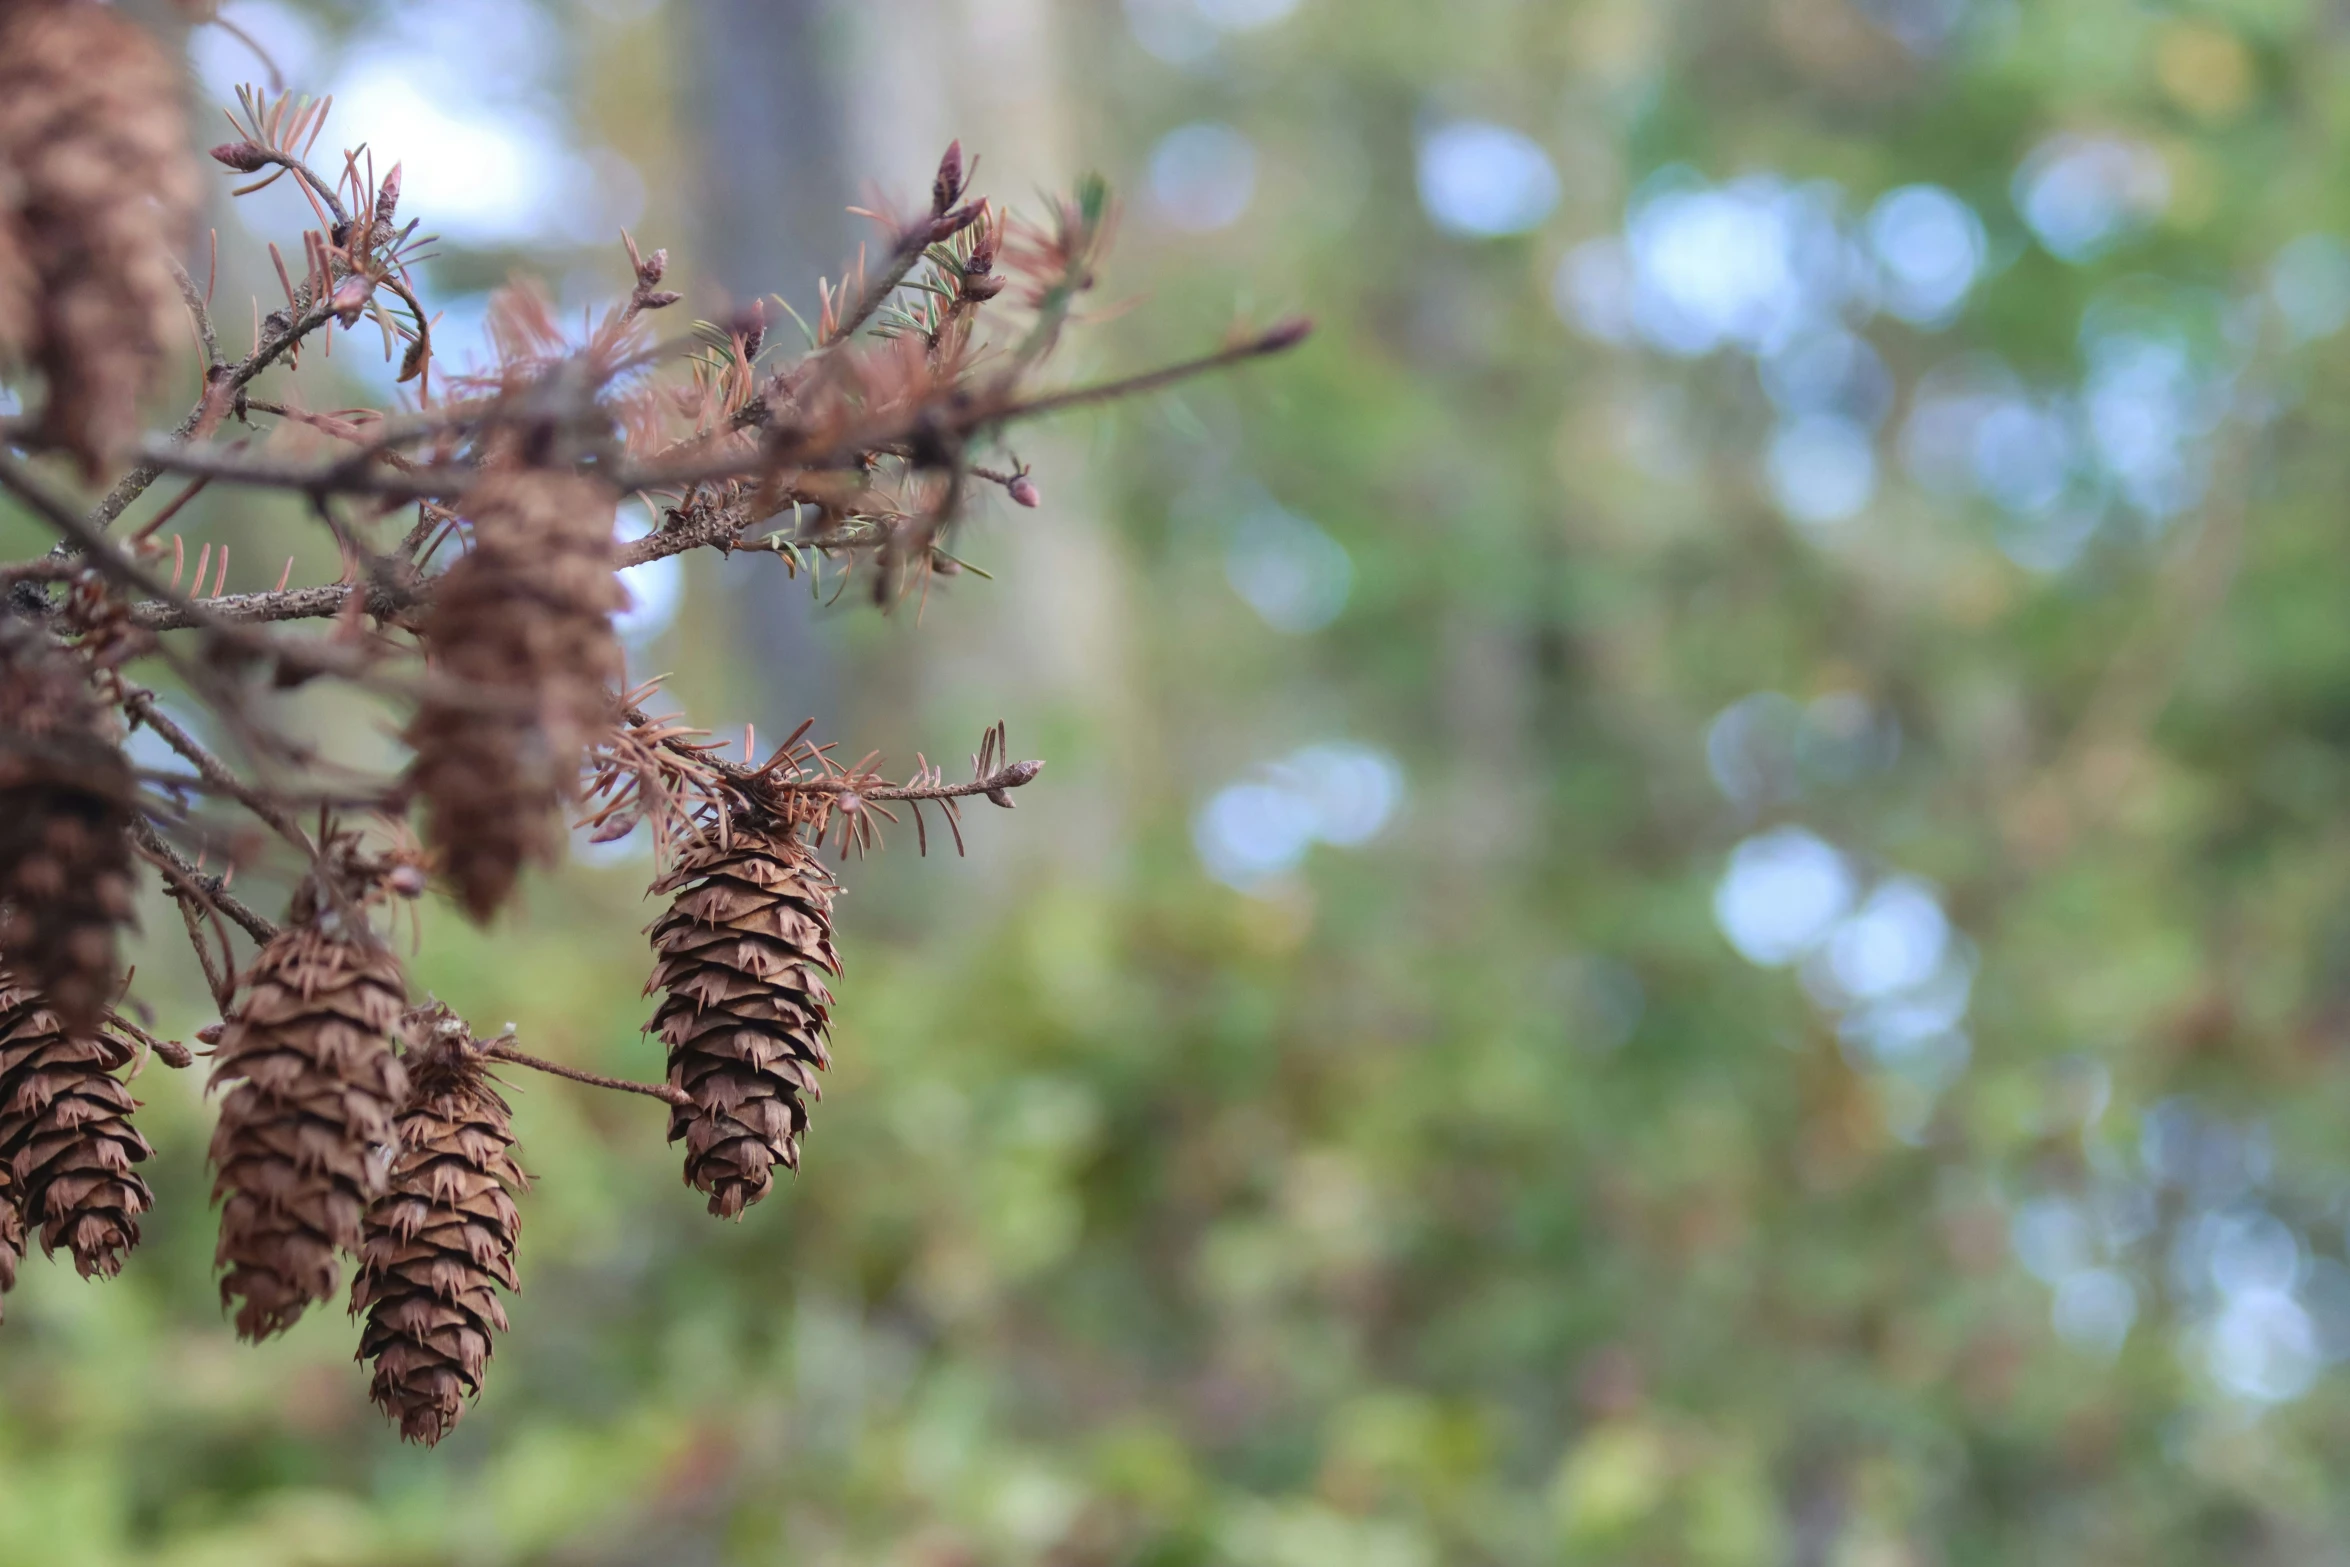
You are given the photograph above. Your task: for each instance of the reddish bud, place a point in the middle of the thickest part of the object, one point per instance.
(983, 243)
(1023, 490)
(659, 299)
(1284, 334)
(947, 225)
(751, 327)
(387, 196)
(241, 156)
(949, 184)
(649, 270)
(406, 880)
(351, 297)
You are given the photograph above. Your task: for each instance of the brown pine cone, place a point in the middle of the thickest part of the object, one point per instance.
(299, 1151)
(97, 186)
(740, 953)
(66, 1134)
(526, 615)
(65, 853)
(440, 1239)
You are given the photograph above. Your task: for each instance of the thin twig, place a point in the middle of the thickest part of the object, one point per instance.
(168, 1051)
(222, 383)
(195, 302)
(1010, 776)
(500, 1051)
(891, 433)
(142, 708)
(210, 889)
(217, 977)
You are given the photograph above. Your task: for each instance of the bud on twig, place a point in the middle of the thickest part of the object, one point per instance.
(1023, 490)
(947, 225)
(659, 299)
(948, 186)
(387, 196)
(1285, 334)
(241, 156)
(649, 270)
(351, 297)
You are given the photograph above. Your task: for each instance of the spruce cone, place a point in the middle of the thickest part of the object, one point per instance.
(526, 614)
(299, 1147)
(65, 854)
(739, 954)
(96, 187)
(66, 1135)
(438, 1241)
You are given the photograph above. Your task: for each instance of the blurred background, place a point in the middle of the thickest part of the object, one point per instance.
(1691, 903)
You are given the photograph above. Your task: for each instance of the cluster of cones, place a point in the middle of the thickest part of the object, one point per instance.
(350, 1125)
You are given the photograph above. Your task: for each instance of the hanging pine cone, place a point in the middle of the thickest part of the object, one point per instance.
(65, 853)
(440, 1238)
(66, 1134)
(739, 953)
(526, 615)
(96, 188)
(299, 1148)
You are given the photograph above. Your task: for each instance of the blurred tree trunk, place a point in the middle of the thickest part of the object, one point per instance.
(1048, 645)
(770, 199)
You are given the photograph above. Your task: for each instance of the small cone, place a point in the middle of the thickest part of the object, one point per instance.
(525, 615)
(299, 1151)
(66, 1134)
(741, 953)
(97, 187)
(65, 854)
(439, 1240)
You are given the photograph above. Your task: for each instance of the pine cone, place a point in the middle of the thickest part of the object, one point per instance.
(439, 1239)
(65, 854)
(96, 186)
(739, 954)
(526, 614)
(66, 1134)
(299, 1148)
